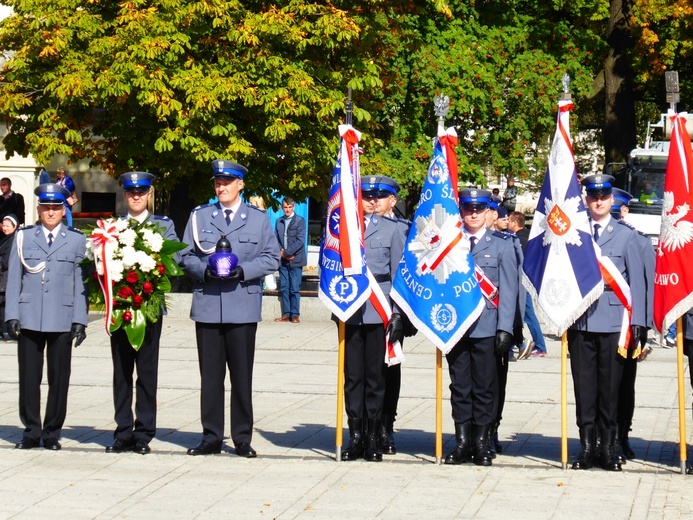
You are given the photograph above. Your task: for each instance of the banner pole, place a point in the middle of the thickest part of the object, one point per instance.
(564, 400)
(340, 392)
(439, 407)
(682, 394)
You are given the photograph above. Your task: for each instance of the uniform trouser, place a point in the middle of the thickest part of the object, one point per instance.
(502, 371)
(290, 287)
(364, 370)
(597, 368)
(125, 358)
(626, 392)
(473, 381)
(59, 357)
(220, 345)
(393, 382)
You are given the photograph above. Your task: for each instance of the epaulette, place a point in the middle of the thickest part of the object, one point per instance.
(201, 206)
(74, 230)
(390, 219)
(404, 222)
(631, 226)
(32, 226)
(502, 234)
(160, 217)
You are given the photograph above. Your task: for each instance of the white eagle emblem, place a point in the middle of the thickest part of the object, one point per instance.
(676, 233)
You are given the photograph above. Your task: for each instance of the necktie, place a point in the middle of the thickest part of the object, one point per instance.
(472, 243)
(50, 239)
(228, 213)
(596, 232)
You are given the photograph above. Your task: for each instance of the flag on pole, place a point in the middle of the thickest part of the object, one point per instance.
(560, 270)
(344, 284)
(673, 281)
(435, 284)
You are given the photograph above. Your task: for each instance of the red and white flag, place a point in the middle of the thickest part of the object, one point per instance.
(673, 282)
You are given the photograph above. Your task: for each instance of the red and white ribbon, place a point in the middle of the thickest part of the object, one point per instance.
(613, 277)
(105, 239)
(393, 351)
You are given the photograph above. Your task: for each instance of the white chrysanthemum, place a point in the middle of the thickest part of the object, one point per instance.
(89, 253)
(129, 256)
(99, 267)
(153, 240)
(121, 224)
(146, 262)
(116, 270)
(127, 237)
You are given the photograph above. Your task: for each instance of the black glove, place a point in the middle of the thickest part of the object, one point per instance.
(395, 328)
(409, 329)
(504, 342)
(236, 275)
(639, 334)
(78, 333)
(211, 276)
(13, 329)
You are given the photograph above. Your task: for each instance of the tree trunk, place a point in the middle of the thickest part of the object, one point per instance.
(619, 110)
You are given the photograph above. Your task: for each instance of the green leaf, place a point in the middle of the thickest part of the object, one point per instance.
(171, 246)
(172, 268)
(136, 329)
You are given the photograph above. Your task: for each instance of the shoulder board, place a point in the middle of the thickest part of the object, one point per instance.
(32, 226)
(501, 234)
(74, 230)
(404, 221)
(161, 217)
(202, 206)
(627, 224)
(256, 208)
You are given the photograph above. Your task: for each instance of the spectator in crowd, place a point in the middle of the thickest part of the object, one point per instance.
(66, 182)
(11, 203)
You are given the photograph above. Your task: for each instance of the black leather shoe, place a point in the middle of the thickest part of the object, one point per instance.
(51, 444)
(142, 447)
(119, 446)
(26, 444)
(245, 450)
(205, 448)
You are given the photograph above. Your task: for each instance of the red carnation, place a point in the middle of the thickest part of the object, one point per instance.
(162, 269)
(127, 316)
(147, 288)
(137, 300)
(132, 277)
(125, 292)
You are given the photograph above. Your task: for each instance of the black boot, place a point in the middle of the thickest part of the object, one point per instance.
(355, 449)
(463, 451)
(607, 456)
(481, 455)
(494, 444)
(618, 451)
(623, 432)
(387, 437)
(588, 453)
(372, 450)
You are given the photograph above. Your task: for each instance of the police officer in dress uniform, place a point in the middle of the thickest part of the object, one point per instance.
(46, 309)
(364, 364)
(385, 204)
(593, 339)
(136, 435)
(503, 359)
(626, 393)
(472, 362)
(687, 320)
(227, 310)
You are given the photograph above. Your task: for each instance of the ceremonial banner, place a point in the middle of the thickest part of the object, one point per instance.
(435, 284)
(344, 285)
(560, 269)
(673, 282)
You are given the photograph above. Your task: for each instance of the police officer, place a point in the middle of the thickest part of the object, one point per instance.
(364, 366)
(472, 362)
(593, 339)
(626, 393)
(385, 207)
(46, 309)
(226, 310)
(136, 435)
(502, 360)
